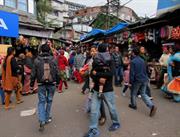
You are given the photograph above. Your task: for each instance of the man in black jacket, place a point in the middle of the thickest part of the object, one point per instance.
(45, 70)
(118, 64)
(105, 77)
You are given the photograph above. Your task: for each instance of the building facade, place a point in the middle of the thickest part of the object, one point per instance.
(90, 13)
(73, 7)
(28, 24)
(63, 12)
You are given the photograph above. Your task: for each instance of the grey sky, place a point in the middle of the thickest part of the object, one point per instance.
(141, 7)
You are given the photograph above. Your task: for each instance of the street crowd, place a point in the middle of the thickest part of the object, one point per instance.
(99, 67)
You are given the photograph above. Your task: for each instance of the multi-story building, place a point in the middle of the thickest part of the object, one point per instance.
(73, 7)
(63, 12)
(28, 24)
(90, 13)
(59, 13)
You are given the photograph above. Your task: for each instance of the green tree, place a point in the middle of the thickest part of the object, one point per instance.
(43, 8)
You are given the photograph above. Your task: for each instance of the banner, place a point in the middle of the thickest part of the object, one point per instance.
(9, 24)
(165, 5)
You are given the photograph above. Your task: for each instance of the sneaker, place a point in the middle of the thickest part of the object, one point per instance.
(49, 120)
(153, 111)
(41, 127)
(151, 98)
(83, 92)
(139, 96)
(123, 94)
(133, 107)
(92, 133)
(60, 91)
(102, 121)
(19, 102)
(114, 127)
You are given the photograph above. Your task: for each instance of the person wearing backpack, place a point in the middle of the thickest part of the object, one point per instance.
(45, 70)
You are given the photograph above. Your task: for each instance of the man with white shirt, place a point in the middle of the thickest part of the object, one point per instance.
(66, 54)
(163, 62)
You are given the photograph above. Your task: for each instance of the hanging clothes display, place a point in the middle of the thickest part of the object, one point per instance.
(175, 34)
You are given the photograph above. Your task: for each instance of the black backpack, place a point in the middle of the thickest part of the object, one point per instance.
(47, 67)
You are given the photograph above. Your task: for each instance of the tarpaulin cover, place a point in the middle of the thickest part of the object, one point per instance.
(93, 33)
(116, 28)
(98, 32)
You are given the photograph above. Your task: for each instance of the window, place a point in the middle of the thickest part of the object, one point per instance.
(22, 5)
(10, 3)
(31, 6)
(56, 13)
(1, 2)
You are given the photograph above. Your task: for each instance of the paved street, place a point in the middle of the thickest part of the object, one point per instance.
(70, 120)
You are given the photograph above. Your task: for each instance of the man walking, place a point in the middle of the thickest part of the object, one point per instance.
(45, 70)
(139, 82)
(105, 77)
(118, 62)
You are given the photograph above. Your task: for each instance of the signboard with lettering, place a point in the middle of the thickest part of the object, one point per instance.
(9, 24)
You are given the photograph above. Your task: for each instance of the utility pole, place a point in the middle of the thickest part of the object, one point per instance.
(112, 7)
(107, 14)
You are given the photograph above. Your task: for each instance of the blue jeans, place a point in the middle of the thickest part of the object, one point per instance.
(118, 75)
(2, 96)
(45, 95)
(95, 109)
(141, 87)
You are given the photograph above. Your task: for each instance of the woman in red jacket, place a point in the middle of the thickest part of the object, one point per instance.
(62, 63)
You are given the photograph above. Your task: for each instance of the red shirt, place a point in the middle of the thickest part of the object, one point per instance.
(62, 62)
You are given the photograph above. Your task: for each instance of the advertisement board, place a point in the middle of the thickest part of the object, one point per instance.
(9, 24)
(165, 5)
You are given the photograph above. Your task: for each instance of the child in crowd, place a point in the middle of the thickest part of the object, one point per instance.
(126, 80)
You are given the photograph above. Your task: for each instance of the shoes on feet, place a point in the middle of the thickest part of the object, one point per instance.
(19, 101)
(139, 96)
(60, 91)
(41, 127)
(49, 120)
(123, 94)
(153, 111)
(114, 127)
(133, 107)
(102, 121)
(92, 133)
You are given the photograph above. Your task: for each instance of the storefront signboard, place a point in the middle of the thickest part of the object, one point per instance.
(9, 24)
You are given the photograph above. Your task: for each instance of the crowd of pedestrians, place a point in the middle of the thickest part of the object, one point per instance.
(100, 67)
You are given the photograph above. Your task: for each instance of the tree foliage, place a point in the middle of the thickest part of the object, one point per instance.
(43, 8)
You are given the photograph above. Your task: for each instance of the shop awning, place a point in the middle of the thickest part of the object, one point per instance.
(116, 29)
(92, 34)
(99, 33)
